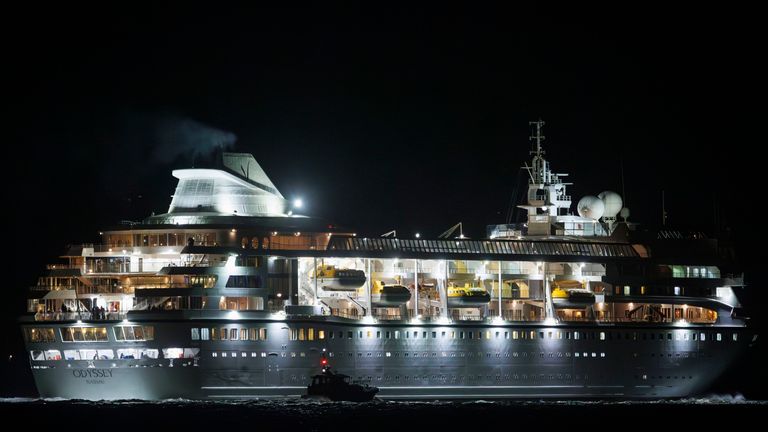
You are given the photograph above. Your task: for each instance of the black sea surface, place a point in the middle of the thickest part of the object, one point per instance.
(289, 415)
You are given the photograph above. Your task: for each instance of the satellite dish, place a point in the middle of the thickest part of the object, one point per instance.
(624, 213)
(613, 203)
(591, 207)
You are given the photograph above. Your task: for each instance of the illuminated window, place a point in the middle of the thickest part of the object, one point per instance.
(195, 334)
(602, 335)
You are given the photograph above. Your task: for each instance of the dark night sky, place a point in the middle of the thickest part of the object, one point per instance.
(380, 119)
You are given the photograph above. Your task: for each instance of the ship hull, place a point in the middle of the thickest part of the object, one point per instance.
(406, 362)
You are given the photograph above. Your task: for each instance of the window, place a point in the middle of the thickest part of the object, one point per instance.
(263, 333)
(321, 334)
(84, 334)
(602, 335)
(195, 334)
(233, 334)
(133, 333)
(40, 334)
(243, 334)
(719, 337)
(735, 337)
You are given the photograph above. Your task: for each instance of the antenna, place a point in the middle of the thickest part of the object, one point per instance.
(538, 137)
(447, 233)
(623, 192)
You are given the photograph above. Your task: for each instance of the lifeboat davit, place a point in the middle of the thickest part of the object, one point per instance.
(331, 278)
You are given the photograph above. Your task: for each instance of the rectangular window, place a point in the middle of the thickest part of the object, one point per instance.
(301, 334)
(205, 333)
(735, 337)
(311, 334)
(233, 334)
(243, 334)
(195, 334)
(514, 334)
(397, 334)
(263, 333)
(41, 334)
(223, 333)
(253, 333)
(214, 333)
(84, 334)
(602, 335)
(321, 334)
(719, 337)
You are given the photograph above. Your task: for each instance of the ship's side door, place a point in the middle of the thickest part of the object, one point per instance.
(272, 371)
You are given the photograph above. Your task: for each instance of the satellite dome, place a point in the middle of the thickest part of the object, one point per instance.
(613, 203)
(590, 207)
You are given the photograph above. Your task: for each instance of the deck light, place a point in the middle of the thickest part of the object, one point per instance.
(298, 203)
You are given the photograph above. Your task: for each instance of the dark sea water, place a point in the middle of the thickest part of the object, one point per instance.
(289, 415)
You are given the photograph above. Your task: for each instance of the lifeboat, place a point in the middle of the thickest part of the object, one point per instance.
(331, 278)
(569, 293)
(467, 296)
(389, 295)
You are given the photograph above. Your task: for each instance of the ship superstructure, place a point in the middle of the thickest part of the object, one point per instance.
(232, 295)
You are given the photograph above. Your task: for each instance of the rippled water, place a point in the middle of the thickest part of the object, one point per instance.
(297, 414)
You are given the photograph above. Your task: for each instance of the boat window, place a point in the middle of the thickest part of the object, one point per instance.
(243, 334)
(40, 334)
(195, 334)
(233, 334)
(311, 334)
(84, 334)
(223, 333)
(602, 335)
(321, 334)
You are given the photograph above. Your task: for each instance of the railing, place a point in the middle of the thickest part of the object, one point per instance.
(71, 316)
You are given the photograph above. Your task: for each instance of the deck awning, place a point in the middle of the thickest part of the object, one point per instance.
(60, 295)
(105, 297)
(163, 292)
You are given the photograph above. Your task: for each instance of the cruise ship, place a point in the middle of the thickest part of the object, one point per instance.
(234, 294)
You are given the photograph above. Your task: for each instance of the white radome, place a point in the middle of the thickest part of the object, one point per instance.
(613, 203)
(591, 207)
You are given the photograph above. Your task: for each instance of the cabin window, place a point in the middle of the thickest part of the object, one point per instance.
(41, 334)
(321, 334)
(719, 337)
(233, 334)
(223, 333)
(205, 333)
(195, 334)
(602, 335)
(311, 334)
(397, 334)
(735, 337)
